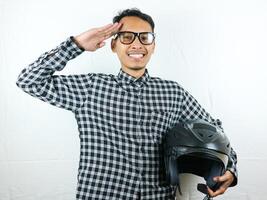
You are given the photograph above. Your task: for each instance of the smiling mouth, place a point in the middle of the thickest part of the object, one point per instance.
(136, 55)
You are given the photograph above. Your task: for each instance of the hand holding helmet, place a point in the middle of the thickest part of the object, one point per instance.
(225, 181)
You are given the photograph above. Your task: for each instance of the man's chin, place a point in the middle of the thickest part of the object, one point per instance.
(137, 68)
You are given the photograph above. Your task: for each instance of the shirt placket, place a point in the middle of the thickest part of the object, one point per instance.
(141, 150)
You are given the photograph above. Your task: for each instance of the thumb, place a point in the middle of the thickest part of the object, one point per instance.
(101, 44)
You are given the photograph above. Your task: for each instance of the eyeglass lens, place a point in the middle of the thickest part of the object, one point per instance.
(129, 37)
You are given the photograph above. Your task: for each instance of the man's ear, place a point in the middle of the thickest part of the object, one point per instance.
(113, 45)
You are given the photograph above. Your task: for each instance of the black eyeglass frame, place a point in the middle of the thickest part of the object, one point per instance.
(135, 34)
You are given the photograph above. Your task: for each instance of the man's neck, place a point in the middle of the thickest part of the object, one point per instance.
(135, 73)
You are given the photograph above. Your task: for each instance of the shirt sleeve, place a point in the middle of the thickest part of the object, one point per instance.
(192, 110)
(65, 91)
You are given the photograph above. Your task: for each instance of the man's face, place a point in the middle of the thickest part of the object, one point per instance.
(134, 56)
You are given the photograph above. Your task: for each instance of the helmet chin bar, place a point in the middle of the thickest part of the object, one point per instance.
(203, 188)
(204, 166)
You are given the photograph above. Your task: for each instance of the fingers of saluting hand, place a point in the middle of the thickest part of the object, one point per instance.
(108, 30)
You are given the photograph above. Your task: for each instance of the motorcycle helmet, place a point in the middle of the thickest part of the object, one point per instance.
(196, 147)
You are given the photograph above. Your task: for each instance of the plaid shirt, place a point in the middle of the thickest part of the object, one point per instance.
(121, 122)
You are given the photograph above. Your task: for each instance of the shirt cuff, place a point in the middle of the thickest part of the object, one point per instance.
(76, 44)
(234, 173)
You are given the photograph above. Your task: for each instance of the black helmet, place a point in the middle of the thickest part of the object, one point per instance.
(196, 147)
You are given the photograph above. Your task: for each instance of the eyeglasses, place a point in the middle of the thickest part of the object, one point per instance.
(127, 37)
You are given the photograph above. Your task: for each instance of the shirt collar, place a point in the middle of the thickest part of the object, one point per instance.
(127, 78)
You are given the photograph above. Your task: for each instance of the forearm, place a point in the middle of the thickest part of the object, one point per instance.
(192, 110)
(36, 74)
(68, 92)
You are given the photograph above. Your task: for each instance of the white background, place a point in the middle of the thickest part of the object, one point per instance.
(216, 49)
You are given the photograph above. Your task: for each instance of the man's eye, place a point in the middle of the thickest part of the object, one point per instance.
(127, 37)
(144, 38)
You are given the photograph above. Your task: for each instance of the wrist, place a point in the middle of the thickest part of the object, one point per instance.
(77, 43)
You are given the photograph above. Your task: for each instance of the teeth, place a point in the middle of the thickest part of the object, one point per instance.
(136, 55)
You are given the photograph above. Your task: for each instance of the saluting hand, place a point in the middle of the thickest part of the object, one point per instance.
(94, 39)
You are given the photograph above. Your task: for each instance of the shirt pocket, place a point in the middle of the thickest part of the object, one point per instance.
(160, 122)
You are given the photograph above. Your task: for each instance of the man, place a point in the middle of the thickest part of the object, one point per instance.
(121, 119)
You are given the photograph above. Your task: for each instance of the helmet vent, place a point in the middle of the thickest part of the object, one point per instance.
(202, 126)
(201, 134)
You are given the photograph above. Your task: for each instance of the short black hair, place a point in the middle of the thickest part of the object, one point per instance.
(134, 12)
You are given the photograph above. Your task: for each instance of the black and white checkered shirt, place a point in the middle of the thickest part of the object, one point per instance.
(121, 121)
